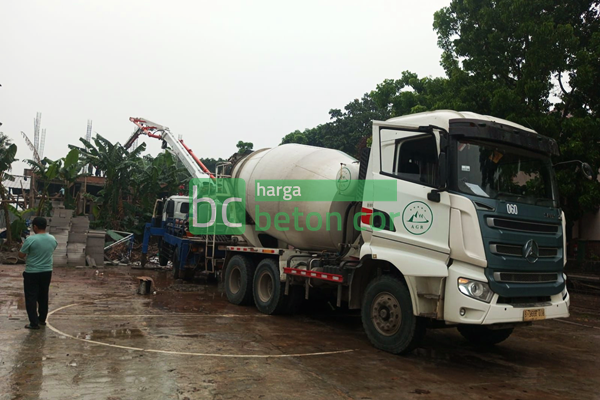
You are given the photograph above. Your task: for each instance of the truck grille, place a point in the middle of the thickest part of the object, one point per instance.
(517, 251)
(522, 226)
(526, 277)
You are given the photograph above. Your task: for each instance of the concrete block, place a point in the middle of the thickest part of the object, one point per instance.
(61, 224)
(96, 233)
(77, 237)
(75, 248)
(95, 244)
(60, 260)
(96, 255)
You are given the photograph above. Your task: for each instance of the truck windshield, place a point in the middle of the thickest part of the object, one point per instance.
(503, 172)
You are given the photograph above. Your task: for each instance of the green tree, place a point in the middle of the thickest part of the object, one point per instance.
(244, 146)
(211, 163)
(533, 62)
(347, 130)
(537, 63)
(8, 152)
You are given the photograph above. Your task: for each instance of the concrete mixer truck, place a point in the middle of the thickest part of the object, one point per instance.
(450, 219)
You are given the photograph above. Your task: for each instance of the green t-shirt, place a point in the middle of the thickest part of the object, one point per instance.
(39, 249)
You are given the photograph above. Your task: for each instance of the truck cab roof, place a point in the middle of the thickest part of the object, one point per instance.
(442, 119)
(179, 198)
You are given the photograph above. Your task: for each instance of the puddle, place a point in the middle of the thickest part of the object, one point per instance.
(111, 333)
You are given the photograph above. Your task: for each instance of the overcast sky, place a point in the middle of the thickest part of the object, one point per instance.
(213, 71)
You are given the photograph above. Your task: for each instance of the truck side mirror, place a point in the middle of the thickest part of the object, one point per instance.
(587, 171)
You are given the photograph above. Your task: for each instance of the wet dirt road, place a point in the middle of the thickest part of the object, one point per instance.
(105, 342)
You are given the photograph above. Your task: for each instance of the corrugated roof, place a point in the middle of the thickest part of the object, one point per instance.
(19, 179)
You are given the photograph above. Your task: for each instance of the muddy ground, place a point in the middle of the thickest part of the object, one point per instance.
(186, 342)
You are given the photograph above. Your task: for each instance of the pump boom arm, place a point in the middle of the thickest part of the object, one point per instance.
(191, 162)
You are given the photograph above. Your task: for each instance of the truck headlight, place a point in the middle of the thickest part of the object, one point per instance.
(475, 289)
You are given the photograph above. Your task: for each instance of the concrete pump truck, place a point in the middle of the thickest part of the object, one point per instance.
(459, 225)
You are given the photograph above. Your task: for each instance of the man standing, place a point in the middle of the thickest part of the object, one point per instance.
(38, 249)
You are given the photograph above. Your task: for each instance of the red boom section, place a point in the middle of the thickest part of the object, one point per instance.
(196, 159)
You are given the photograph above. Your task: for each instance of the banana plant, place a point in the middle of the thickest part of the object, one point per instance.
(8, 152)
(19, 225)
(69, 172)
(46, 171)
(119, 167)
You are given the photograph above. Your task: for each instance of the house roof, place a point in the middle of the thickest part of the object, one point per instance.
(19, 180)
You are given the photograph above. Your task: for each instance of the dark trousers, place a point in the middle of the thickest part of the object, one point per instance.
(36, 295)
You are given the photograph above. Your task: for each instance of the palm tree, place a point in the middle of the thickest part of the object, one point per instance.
(8, 152)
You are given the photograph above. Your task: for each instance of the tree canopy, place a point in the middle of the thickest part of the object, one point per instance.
(534, 62)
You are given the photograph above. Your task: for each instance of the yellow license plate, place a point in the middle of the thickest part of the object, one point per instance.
(534, 315)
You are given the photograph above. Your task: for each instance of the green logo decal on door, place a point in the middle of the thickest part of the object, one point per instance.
(417, 217)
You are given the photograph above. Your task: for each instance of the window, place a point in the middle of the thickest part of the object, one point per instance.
(415, 159)
(185, 208)
(504, 172)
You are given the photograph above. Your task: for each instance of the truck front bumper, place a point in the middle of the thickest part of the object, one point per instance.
(461, 309)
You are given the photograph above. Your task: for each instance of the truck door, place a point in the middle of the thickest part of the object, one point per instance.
(169, 210)
(409, 157)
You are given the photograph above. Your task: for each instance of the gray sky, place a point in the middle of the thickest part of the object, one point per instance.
(214, 71)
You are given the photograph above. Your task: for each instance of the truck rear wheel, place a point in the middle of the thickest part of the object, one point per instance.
(269, 291)
(388, 318)
(482, 335)
(238, 280)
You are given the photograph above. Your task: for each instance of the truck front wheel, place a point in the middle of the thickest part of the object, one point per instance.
(482, 335)
(388, 318)
(238, 280)
(269, 292)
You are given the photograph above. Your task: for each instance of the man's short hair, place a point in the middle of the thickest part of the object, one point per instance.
(40, 222)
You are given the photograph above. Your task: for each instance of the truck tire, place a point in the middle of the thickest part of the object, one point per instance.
(269, 291)
(238, 280)
(482, 335)
(387, 316)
